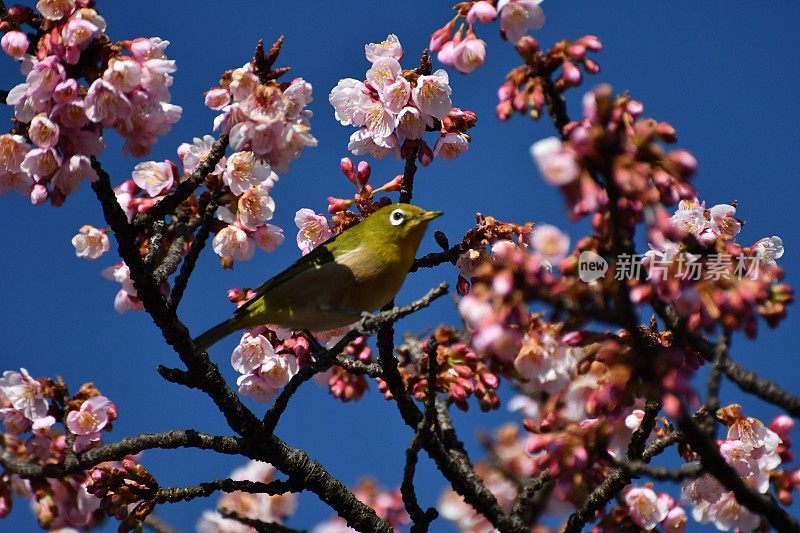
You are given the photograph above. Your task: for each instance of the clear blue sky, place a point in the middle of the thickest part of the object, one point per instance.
(720, 72)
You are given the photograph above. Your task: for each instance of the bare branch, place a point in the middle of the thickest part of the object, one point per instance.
(258, 525)
(202, 490)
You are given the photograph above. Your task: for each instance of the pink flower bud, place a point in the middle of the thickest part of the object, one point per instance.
(635, 108)
(234, 295)
(666, 132)
(338, 204)
(481, 11)
(571, 74)
(527, 46)
(590, 66)
(591, 42)
(364, 171)
(440, 37)
(572, 338)
(506, 91)
(425, 154)
(15, 44)
(781, 424)
(39, 194)
(392, 185)
(686, 162)
(346, 164)
(5, 500)
(217, 98)
(577, 51)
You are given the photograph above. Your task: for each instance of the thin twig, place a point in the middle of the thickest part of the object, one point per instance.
(199, 242)
(258, 525)
(202, 490)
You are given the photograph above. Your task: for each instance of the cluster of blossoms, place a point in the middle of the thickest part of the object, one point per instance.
(739, 282)
(528, 87)
(459, 371)
(262, 115)
(463, 50)
(393, 108)
(77, 84)
(751, 449)
(270, 508)
(30, 410)
(388, 505)
(266, 358)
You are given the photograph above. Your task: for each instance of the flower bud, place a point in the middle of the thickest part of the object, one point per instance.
(39, 194)
(591, 66)
(527, 46)
(346, 164)
(338, 204)
(577, 51)
(364, 171)
(666, 132)
(481, 11)
(425, 154)
(684, 161)
(440, 37)
(591, 42)
(571, 74)
(235, 295)
(15, 44)
(392, 185)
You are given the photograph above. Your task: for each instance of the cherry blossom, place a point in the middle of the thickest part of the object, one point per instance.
(550, 243)
(24, 393)
(645, 507)
(313, 230)
(268, 237)
(251, 352)
(153, 177)
(90, 242)
(556, 165)
(233, 242)
(15, 44)
(518, 16)
(243, 170)
(389, 47)
(87, 422)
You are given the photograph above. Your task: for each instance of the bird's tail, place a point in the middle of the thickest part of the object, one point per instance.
(216, 334)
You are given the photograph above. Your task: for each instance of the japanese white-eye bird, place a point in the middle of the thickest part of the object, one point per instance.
(357, 271)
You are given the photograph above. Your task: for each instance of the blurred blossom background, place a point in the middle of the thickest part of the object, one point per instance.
(718, 72)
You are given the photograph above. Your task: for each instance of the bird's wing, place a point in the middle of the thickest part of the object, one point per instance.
(317, 257)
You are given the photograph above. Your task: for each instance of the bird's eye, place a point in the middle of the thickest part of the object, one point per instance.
(397, 217)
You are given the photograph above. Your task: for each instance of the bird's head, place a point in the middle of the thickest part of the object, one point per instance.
(402, 224)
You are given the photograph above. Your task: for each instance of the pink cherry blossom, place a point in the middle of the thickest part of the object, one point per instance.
(16, 181)
(41, 162)
(410, 123)
(313, 230)
(243, 170)
(105, 104)
(89, 420)
(728, 514)
(251, 352)
(255, 207)
(395, 95)
(518, 16)
(193, 154)
(15, 43)
(349, 99)
(232, 241)
(90, 242)
(124, 74)
(556, 165)
(153, 177)
(390, 47)
(549, 243)
(363, 142)
(43, 131)
(12, 151)
(55, 9)
(268, 237)
(379, 121)
(72, 172)
(451, 145)
(644, 507)
(217, 98)
(482, 11)
(278, 370)
(469, 54)
(432, 94)
(769, 249)
(25, 394)
(384, 71)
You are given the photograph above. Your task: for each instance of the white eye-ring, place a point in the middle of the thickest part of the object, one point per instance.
(397, 217)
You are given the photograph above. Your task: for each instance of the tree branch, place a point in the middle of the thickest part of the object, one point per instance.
(258, 525)
(202, 490)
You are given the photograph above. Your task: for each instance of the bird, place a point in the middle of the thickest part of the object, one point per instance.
(352, 273)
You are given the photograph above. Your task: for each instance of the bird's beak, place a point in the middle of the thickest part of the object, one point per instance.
(430, 215)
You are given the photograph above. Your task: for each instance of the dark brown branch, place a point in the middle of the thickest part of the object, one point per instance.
(171, 260)
(718, 358)
(634, 468)
(258, 525)
(715, 464)
(745, 379)
(407, 187)
(421, 519)
(556, 106)
(619, 477)
(202, 490)
(531, 499)
(205, 375)
(178, 438)
(199, 242)
(435, 259)
(356, 367)
(326, 359)
(184, 189)
(155, 242)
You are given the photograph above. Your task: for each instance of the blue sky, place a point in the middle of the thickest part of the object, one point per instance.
(718, 71)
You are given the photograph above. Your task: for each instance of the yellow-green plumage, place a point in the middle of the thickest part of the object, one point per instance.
(359, 270)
